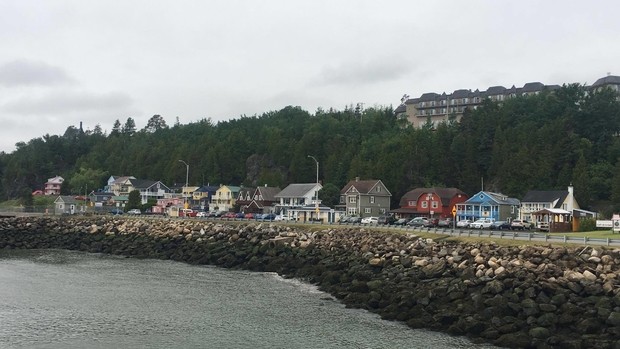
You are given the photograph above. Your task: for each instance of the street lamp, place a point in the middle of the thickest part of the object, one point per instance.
(429, 197)
(316, 193)
(186, 178)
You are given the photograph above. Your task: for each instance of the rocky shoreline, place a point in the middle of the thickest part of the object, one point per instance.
(517, 297)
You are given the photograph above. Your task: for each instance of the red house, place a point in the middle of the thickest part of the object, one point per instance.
(430, 202)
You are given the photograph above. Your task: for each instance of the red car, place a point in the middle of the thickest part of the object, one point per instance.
(229, 215)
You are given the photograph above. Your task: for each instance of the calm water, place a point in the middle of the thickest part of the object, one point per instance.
(65, 299)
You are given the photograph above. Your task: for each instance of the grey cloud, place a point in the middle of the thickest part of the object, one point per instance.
(68, 102)
(358, 72)
(28, 73)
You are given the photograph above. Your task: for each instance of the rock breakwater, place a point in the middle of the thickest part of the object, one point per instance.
(518, 297)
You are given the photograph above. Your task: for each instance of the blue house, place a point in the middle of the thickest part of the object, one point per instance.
(486, 204)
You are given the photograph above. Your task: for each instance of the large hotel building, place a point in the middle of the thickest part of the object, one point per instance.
(438, 108)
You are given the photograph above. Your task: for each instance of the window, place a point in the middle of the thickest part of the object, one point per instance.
(342, 199)
(367, 210)
(434, 204)
(352, 211)
(424, 204)
(382, 211)
(352, 199)
(411, 203)
(378, 188)
(372, 199)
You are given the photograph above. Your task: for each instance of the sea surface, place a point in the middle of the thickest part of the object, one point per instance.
(68, 299)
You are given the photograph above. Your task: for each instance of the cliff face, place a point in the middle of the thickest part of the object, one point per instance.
(520, 297)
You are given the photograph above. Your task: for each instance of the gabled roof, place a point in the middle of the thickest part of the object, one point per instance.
(56, 179)
(445, 194)
(268, 193)
(546, 196)
(499, 199)
(66, 199)
(145, 183)
(233, 188)
(297, 190)
(365, 187)
(208, 189)
(118, 180)
(245, 192)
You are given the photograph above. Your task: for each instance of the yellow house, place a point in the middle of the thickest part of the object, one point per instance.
(224, 198)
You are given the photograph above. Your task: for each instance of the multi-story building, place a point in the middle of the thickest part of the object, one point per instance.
(224, 198)
(365, 198)
(430, 202)
(53, 185)
(436, 108)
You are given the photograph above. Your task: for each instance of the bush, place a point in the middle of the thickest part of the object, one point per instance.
(587, 224)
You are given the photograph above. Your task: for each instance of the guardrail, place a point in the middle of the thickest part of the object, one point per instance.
(501, 234)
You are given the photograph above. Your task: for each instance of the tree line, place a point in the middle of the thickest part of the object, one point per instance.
(540, 142)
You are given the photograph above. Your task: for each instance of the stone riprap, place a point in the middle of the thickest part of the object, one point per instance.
(519, 297)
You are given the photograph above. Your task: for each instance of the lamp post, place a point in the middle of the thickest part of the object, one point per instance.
(429, 197)
(316, 193)
(186, 179)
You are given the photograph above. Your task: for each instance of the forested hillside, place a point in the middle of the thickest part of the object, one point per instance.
(538, 142)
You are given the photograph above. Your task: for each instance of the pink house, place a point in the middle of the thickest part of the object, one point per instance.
(53, 185)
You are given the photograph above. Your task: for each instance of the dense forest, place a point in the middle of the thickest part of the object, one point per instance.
(540, 142)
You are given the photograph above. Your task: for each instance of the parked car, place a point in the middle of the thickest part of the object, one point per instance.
(354, 220)
(249, 215)
(500, 225)
(229, 215)
(283, 218)
(482, 223)
(370, 220)
(518, 224)
(202, 214)
(269, 217)
(418, 222)
(134, 211)
(116, 211)
(387, 220)
(445, 223)
(433, 222)
(343, 219)
(187, 212)
(401, 221)
(463, 223)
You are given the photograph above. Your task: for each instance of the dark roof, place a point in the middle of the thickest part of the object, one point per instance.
(546, 196)
(268, 193)
(142, 183)
(608, 80)
(66, 199)
(496, 90)
(533, 87)
(362, 186)
(429, 96)
(461, 93)
(400, 109)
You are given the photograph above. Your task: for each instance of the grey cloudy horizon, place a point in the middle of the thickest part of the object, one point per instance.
(64, 62)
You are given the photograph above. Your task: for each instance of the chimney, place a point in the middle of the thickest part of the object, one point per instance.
(357, 179)
(265, 185)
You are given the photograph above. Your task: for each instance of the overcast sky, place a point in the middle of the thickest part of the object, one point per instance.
(62, 62)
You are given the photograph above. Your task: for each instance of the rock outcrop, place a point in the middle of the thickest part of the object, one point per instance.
(518, 297)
